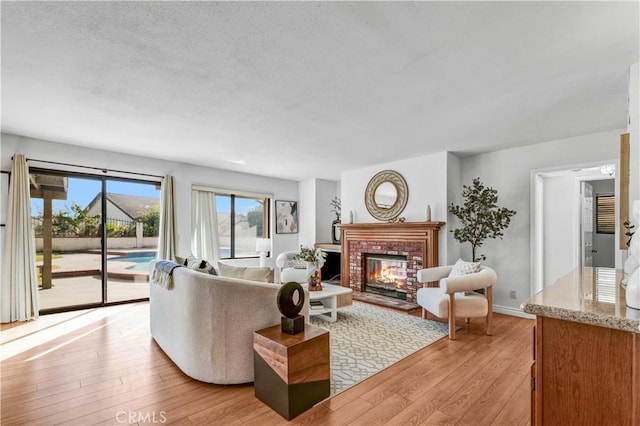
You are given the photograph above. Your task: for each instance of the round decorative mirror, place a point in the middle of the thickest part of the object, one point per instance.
(386, 195)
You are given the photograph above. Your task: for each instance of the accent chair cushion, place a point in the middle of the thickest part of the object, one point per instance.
(468, 304)
(294, 274)
(264, 275)
(463, 268)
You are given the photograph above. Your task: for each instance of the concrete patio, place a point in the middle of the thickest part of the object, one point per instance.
(77, 281)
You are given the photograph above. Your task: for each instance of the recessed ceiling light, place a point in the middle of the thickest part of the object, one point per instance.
(241, 162)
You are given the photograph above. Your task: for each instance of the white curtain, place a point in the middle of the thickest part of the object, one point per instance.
(19, 287)
(204, 218)
(167, 237)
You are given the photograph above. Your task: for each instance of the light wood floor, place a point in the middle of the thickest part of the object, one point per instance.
(102, 367)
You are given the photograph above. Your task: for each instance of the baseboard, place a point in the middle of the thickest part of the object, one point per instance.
(516, 312)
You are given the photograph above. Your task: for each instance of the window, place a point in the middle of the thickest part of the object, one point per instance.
(605, 214)
(241, 219)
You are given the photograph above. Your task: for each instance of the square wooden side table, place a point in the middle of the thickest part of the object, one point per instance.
(292, 371)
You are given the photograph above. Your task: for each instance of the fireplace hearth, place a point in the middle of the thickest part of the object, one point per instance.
(386, 275)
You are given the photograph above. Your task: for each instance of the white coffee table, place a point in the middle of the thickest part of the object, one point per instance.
(329, 298)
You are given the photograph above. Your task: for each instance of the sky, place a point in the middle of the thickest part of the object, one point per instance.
(81, 191)
(243, 205)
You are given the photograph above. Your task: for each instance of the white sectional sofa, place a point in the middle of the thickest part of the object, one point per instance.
(205, 323)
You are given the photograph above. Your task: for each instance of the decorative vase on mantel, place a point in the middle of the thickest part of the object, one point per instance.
(337, 209)
(335, 231)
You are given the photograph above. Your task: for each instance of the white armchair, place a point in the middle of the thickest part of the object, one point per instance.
(455, 297)
(287, 273)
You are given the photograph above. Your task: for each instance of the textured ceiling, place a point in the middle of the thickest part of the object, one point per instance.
(305, 89)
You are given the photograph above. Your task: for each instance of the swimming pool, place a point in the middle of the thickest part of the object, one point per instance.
(141, 260)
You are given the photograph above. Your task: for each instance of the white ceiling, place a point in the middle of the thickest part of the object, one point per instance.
(311, 89)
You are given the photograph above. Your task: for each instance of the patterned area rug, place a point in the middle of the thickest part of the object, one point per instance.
(367, 339)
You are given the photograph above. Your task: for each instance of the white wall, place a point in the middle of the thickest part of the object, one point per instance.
(454, 196)
(509, 171)
(314, 210)
(634, 129)
(326, 190)
(185, 175)
(560, 217)
(427, 181)
(307, 212)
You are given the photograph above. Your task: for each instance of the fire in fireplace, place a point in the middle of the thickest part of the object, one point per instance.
(386, 275)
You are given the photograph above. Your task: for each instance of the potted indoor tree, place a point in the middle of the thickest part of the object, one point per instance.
(480, 216)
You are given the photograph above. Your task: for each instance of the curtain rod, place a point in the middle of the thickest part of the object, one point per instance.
(103, 170)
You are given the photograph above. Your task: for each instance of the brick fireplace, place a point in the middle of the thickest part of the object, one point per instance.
(417, 241)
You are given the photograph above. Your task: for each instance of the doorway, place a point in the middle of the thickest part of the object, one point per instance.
(564, 220)
(95, 237)
(602, 224)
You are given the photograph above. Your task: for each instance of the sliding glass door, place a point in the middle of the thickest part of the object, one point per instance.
(94, 238)
(132, 224)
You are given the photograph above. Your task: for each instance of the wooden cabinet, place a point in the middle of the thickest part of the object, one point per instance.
(534, 380)
(584, 374)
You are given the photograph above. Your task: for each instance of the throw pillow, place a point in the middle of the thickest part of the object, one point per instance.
(199, 265)
(264, 275)
(206, 267)
(463, 268)
(297, 264)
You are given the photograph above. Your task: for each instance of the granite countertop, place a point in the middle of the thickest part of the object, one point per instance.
(587, 295)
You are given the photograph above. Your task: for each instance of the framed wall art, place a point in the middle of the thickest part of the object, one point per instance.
(286, 217)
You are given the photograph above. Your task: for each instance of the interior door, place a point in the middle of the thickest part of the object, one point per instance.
(586, 192)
